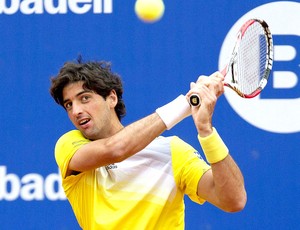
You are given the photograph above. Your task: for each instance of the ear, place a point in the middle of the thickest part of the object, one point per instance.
(112, 98)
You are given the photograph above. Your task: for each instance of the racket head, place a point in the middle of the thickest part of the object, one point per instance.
(251, 61)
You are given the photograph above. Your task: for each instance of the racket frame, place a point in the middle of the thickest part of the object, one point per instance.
(269, 59)
(195, 99)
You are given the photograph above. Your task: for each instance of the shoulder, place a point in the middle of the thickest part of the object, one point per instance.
(183, 153)
(67, 145)
(71, 140)
(73, 137)
(177, 144)
(70, 135)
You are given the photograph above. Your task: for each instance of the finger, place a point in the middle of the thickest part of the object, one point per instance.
(196, 94)
(218, 75)
(201, 78)
(192, 85)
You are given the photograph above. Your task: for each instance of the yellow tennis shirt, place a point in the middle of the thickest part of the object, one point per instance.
(145, 191)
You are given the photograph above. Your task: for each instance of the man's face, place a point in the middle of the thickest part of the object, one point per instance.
(88, 111)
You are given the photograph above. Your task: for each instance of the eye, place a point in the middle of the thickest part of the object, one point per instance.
(85, 98)
(68, 105)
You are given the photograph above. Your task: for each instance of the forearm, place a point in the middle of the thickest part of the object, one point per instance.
(138, 135)
(228, 185)
(225, 181)
(135, 136)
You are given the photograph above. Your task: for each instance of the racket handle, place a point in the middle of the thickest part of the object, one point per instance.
(195, 100)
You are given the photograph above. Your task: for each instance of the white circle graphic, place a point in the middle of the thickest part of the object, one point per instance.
(273, 115)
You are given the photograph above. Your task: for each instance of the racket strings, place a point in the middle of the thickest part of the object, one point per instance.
(251, 59)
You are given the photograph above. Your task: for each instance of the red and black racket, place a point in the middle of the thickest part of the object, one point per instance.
(251, 61)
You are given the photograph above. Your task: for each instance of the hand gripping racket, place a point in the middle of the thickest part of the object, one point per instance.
(251, 61)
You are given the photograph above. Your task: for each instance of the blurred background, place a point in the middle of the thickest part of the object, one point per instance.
(157, 62)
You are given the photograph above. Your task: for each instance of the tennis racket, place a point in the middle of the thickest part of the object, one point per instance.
(251, 61)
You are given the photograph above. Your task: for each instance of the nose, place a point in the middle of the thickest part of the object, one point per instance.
(76, 109)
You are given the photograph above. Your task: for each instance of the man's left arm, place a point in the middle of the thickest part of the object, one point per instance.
(223, 186)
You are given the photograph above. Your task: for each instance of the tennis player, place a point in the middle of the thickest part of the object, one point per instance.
(131, 177)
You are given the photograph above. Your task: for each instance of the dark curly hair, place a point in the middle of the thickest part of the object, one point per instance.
(96, 75)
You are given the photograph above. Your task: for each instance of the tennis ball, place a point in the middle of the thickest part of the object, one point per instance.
(149, 10)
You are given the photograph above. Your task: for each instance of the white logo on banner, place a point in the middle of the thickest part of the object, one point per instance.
(56, 6)
(281, 112)
(30, 187)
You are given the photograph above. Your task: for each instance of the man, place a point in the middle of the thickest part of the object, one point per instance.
(118, 177)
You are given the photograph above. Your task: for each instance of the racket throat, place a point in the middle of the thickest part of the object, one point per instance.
(231, 69)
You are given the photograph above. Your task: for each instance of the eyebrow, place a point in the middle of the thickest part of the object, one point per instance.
(78, 94)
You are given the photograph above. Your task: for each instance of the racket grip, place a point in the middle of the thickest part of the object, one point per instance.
(195, 100)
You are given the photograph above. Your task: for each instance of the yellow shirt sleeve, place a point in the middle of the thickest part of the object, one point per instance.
(188, 167)
(66, 147)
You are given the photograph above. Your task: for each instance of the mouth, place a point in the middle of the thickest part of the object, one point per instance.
(84, 121)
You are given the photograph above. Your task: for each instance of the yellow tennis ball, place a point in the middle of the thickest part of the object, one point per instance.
(149, 10)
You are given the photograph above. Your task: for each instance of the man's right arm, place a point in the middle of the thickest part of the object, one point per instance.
(129, 140)
(118, 147)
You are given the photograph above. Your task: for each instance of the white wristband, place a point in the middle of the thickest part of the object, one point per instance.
(175, 111)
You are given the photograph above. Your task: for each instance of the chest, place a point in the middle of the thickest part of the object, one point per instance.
(150, 170)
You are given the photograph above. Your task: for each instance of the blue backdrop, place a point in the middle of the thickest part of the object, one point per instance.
(157, 62)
